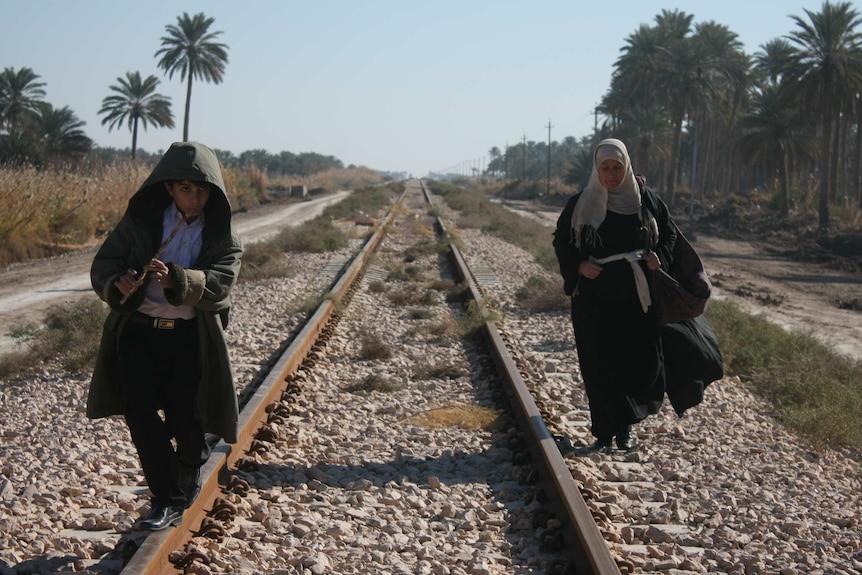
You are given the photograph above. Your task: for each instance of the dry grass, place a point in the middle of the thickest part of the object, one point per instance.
(812, 389)
(540, 295)
(461, 416)
(51, 211)
(71, 335)
(428, 372)
(264, 260)
(372, 348)
(313, 236)
(373, 383)
(332, 180)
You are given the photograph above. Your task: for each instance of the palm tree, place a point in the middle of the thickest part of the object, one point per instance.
(721, 93)
(136, 101)
(658, 70)
(59, 133)
(190, 49)
(828, 69)
(776, 134)
(20, 95)
(773, 60)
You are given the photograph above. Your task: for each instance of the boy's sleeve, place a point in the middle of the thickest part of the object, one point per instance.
(208, 289)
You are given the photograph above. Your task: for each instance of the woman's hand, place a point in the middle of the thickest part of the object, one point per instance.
(652, 261)
(589, 269)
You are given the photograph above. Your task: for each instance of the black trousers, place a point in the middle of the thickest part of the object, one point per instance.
(161, 371)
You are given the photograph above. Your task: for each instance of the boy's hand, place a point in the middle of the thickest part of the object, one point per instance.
(127, 281)
(157, 270)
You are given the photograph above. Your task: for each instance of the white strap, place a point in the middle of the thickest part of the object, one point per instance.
(640, 277)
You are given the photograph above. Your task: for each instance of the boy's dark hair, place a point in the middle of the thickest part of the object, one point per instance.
(198, 183)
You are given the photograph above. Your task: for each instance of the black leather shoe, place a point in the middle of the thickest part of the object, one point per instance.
(162, 517)
(190, 483)
(599, 446)
(625, 441)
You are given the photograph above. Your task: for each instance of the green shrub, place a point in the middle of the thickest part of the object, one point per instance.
(812, 389)
(373, 383)
(264, 260)
(313, 236)
(540, 295)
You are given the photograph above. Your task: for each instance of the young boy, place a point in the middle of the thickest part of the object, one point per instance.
(166, 272)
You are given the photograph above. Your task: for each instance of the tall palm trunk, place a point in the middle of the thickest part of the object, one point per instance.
(856, 181)
(825, 163)
(784, 185)
(673, 161)
(834, 164)
(188, 108)
(134, 138)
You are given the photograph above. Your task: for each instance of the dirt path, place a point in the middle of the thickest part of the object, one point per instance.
(796, 295)
(27, 290)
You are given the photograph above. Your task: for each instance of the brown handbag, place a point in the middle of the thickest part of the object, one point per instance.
(682, 292)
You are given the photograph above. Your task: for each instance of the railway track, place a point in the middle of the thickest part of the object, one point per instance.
(266, 420)
(313, 488)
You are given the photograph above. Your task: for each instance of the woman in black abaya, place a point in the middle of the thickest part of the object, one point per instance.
(607, 239)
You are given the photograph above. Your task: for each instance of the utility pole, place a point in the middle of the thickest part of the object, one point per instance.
(596, 122)
(549, 126)
(524, 158)
(506, 164)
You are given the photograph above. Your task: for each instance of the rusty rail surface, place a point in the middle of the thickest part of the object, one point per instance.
(587, 548)
(151, 558)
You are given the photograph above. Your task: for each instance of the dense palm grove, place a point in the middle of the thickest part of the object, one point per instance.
(697, 111)
(33, 132)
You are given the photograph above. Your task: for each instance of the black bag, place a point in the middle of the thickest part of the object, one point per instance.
(682, 292)
(692, 360)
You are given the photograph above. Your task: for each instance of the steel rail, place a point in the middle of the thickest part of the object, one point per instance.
(587, 548)
(152, 557)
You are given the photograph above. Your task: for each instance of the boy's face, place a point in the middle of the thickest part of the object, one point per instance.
(190, 197)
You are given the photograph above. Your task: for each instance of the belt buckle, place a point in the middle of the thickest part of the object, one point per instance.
(162, 323)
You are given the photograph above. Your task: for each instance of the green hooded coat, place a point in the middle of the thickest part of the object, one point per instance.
(206, 286)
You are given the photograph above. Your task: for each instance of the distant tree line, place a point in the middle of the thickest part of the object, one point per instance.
(694, 109)
(32, 131)
(274, 165)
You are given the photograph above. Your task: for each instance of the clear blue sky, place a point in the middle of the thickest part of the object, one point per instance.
(400, 85)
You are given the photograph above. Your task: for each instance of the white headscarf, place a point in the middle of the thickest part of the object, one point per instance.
(596, 200)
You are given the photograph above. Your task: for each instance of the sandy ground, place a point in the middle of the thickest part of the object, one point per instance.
(796, 295)
(27, 290)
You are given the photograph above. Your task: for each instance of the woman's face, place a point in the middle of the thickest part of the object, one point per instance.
(611, 174)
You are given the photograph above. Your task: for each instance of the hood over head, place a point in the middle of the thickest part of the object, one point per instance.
(184, 161)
